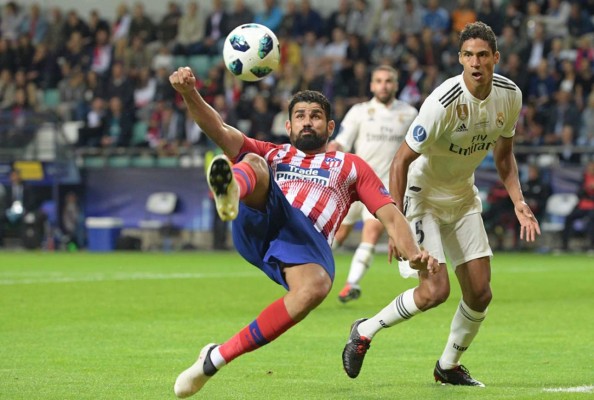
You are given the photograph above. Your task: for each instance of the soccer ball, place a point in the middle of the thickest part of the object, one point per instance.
(251, 52)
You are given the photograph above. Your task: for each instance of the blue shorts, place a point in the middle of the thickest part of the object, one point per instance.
(281, 235)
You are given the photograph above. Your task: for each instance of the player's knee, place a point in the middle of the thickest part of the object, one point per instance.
(482, 299)
(258, 164)
(312, 295)
(431, 295)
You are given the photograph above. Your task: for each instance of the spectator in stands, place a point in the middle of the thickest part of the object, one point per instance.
(462, 14)
(76, 53)
(514, 17)
(74, 23)
(95, 88)
(428, 51)
(338, 17)
(510, 43)
(271, 16)
(586, 134)
(562, 114)
(72, 88)
(312, 50)
(437, 19)
(412, 79)
(163, 89)
(190, 31)
(336, 50)
(556, 17)
(162, 59)
(278, 130)
(583, 210)
(141, 25)
(121, 26)
(89, 135)
(118, 125)
(288, 25)
(121, 86)
(24, 51)
(241, 14)
(102, 54)
(488, 13)
(513, 69)
(542, 86)
(34, 25)
(166, 128)
(538, 48)
(308, 19)
(44, 70)
(261, 119)
(327, 81)
(7, 88)
(10, 22)
(145, 88)
(585, 50)
(55, 35)
(499, 216)
(411, 20)
(96, 23)
(167, 27)
(384, 21)
(217, 28)
(7, 55)
(584, 83)
(136, 56)
(579, 23)
(355, 87)
(389, 52)
(359, 18)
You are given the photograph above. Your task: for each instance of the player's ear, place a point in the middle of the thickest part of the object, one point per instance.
(288, 127)
(331, 126)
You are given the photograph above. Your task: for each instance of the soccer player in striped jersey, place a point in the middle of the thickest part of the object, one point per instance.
(286, 203)
(432, 182)
(374, 129)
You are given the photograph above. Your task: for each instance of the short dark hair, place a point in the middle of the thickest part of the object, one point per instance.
(478, 30)
(311, 96)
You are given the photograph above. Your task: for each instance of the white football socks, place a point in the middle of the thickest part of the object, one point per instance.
(465, 326)
(361, 262)
(401, 309)
(216, 358)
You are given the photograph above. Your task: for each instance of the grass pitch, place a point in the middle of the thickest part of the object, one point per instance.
(123, 325)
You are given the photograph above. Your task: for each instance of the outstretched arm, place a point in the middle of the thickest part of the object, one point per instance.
(508, 172)
(228, 138)
(399, 173)
(402, 242)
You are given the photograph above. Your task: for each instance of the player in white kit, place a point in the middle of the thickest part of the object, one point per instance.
(432, 181)
(374, 129)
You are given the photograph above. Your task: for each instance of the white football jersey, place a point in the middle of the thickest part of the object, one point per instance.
(453, 132)
(375, 131)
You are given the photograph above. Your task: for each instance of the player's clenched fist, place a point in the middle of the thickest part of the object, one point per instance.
(183, 80)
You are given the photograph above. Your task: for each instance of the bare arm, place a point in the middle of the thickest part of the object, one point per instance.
(505, 162)
(402, 241)
(228, 138)
(399, 172)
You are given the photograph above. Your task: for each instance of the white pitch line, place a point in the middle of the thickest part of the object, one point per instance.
(123, 277)
(577, 389)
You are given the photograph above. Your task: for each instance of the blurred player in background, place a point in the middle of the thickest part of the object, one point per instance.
(286, 202)
(374, 130)
(432, 182)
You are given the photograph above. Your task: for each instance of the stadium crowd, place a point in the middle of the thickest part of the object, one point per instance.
(112, 75)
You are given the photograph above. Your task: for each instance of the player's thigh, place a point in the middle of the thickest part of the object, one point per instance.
(466, 240)
(427, 231)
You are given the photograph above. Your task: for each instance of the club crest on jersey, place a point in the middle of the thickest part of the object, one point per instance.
(371, 112)
(419, 133)
(462, 111)
(500, 120)
(332, 162)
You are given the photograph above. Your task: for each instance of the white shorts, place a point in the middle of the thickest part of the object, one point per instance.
(461, 240)
(357, 212)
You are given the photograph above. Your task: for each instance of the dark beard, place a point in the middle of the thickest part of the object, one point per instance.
(309, 142)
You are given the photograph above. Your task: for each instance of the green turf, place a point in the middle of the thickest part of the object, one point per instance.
(123, 325)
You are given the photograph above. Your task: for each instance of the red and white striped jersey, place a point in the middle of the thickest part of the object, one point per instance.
(323, 185)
